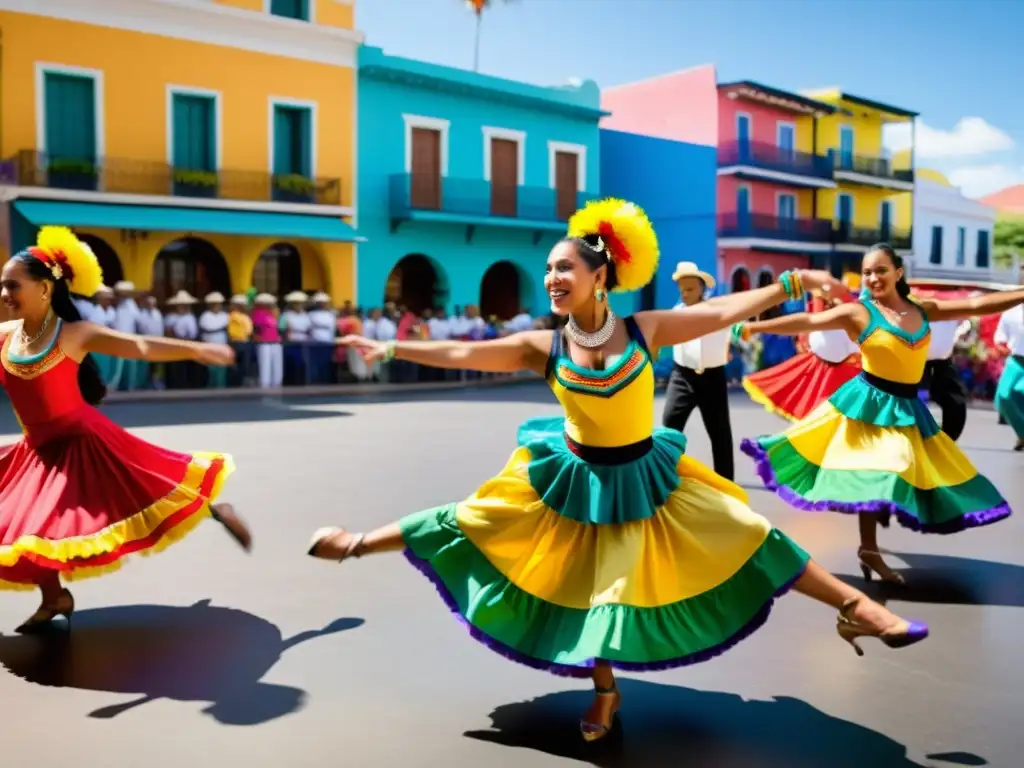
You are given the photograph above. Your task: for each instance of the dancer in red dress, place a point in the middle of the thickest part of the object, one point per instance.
(77, 492)
(796, 387)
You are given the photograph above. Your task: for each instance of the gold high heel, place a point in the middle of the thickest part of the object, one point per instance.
(354, 548)
(594, 731)
(868, 570)
(64, 606)
(900, 634)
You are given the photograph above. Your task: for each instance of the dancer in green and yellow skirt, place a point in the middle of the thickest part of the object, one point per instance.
(873, 448)
(600, 544)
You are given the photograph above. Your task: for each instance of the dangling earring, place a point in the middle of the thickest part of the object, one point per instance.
(599, 294)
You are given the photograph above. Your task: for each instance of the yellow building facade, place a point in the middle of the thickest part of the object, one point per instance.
(194, 146)
(872, 199)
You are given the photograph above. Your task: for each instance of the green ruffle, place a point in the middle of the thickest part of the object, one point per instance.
(555, 635)
(858, 400)
(933, 507)
(599, 494)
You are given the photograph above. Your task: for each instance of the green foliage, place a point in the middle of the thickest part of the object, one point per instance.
(195, 178)
(1008, 237)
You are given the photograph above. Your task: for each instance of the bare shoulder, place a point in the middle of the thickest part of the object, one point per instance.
(534, 341)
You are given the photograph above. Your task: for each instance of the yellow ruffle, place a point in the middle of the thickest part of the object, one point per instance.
(700, 537)
(123, 532)
(832, 441)
(761, 399)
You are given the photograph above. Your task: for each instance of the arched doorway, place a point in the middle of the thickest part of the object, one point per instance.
(504, 290)
(278, 270)
(192, 265)
(740, 280)
(109, 261)
(765, 277)
(416, 284)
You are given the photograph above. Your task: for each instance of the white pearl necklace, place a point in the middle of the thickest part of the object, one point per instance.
(593, 340)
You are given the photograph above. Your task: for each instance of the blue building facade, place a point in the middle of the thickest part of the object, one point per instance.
(675, 183)
(465, 181)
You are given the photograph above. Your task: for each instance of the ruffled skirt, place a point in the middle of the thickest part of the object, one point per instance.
(557, 563)
(866, 450)
(91, 495)
(1009, 399)
(796, 387)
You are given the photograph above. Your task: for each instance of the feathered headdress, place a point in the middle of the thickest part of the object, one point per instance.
(68, 259)
(627, 236)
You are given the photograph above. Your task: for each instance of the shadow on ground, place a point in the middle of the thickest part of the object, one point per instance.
(200, 653)
(666, 726)
(946, 580)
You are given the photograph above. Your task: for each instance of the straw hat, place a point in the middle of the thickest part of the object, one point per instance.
(124, 286)
(689, 269)
(320, 297)
(104, 290)
(239, 298)
(264, 298)
(182, 297)
(296, 297)
(214, 298)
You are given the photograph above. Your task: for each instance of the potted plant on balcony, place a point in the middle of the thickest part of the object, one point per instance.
(191, 183)
(72, 173)
(293, 188)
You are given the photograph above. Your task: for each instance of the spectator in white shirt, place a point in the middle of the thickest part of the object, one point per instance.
(296, 325)
(942, 378)
(698, 378)
(322, 331)
(521, 322)
(213, 328)
(1009, 399)
(384, 329)
(180, 323)
(103, 313)
(150, 323)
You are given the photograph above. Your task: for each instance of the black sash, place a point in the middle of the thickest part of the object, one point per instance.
(899, 389)
(619, 454)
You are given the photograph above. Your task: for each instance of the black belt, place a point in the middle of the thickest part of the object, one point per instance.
(619, 454)
(897, 388)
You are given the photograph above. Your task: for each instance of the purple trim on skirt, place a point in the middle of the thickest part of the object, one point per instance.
(585, 670)
(766, 472)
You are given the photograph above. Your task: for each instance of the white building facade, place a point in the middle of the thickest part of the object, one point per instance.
(953, 236)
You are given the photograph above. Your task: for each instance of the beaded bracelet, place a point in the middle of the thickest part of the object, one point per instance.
(786, 281)
(740, 332)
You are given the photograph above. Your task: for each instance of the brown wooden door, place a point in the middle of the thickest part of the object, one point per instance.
(425, 183)
(504, 177)
(566, 186)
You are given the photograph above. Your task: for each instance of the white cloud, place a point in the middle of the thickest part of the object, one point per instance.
(970, 137)
(981, 180)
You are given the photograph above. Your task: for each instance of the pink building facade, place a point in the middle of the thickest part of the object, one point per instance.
(768, 165)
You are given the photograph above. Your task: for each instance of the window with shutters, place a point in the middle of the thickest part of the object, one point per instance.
(425, 169)
(290, 9)
(567, 174)
(293, 154)
(70, 130)
(194, 145)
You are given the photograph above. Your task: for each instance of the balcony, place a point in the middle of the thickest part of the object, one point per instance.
(872, 171)
(145, 178)
(865, 237)
(477, 202)
(758, 159)
(775, 232)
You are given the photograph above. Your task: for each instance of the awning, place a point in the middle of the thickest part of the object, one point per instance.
(175, 219)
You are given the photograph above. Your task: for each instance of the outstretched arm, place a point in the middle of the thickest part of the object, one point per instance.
(89, 337)
(526, 351)
(844, 317)
(666, 328)
(962, 309)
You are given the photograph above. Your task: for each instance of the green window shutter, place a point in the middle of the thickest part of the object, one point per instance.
(306, 143)
(195, 133)
(70, 117)
(283, 141)
(293, 141)
(290, 9)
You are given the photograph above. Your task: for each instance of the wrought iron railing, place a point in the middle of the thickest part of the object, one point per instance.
(760, 154)
(867, 165)
(898, 237)
(30, 168)
(769, 227)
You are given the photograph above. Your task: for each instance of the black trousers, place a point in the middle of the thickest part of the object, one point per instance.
(709, 392)
(946, 389)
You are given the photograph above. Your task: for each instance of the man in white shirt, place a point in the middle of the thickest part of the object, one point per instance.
(1009, 400)
(942, 379)
(213, 329)
(698, 378)
(323, 322)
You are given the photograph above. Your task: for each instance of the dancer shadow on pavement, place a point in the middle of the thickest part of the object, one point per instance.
(199, 653)
(667, 726)
(945, 580)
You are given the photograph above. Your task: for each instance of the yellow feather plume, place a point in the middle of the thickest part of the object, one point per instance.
(86, 275)
(627, 232)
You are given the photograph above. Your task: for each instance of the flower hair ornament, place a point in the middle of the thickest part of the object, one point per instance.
(68, 259)
(625, 234)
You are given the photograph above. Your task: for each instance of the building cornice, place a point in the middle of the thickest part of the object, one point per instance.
(204, 21)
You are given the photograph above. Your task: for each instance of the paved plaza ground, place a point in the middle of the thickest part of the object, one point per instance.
(205, 656)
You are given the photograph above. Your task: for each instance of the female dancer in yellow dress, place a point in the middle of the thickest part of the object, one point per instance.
(600, 544)
(78, 493)
(873, 448)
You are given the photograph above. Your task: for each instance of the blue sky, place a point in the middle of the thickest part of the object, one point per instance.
(954, 61)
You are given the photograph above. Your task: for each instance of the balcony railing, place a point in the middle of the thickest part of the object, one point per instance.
(897, 237)
(759, 154)
(764, 226)
(142, 177)
(867, 165)
(478, 199)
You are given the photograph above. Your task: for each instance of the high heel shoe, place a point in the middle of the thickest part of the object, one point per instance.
(43, 618)
(225, 515)
(354, 548)
(895, 636)
(870, 570)
(594, 731)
